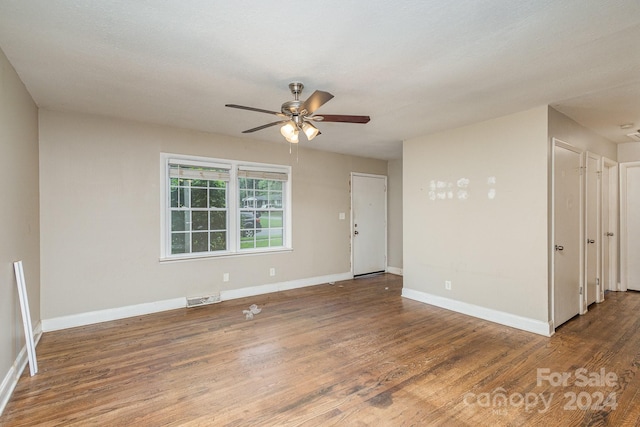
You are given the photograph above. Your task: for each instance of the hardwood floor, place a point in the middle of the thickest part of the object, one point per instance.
(353, 353)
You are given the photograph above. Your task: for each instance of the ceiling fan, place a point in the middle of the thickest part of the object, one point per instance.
(297, 115)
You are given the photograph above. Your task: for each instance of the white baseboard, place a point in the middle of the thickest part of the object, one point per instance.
(507, 319)
(89, 318)
(11, 379)
(394, 270)
(282, 286)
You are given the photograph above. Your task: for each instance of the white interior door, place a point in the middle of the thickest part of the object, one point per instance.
(609, 230)
(592, 229)
(369, 220)
(630, 225)
(567, 236)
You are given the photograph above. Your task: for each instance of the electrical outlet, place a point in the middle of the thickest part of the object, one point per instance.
(225, 277)
(272, 272)
(447, 285)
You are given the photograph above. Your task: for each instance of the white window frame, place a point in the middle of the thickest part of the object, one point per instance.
(233, 205)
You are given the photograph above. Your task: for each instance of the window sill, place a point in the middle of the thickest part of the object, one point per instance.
(194, 257)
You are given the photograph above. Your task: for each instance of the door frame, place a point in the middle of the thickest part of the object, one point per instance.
(351, 219)
(623, 222)
(610, 203)
(555, 142)
(599, 293)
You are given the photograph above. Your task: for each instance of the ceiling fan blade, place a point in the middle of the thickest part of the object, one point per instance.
(315, 101)
(259, 110)
(341, 118)
(265, 126)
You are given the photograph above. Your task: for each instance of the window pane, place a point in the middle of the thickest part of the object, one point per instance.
(199, 183)
(218, 220)
(275, 219)
(200, 242)
(275, 199)
(250, 224)
(262, 199)
(200, 220)
(247, 243)
(275, 185)
(217, 197)
(198, 197)
(249, 219)
(247, 199)
(218, 241)
(180, 243)
(174, 197)
(179, 220)
(263, 218)
(179, 197)
(275, 237)
(275, 241)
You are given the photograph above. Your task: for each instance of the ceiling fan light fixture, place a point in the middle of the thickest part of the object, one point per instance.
(288, 129)
(293, 138)
(310, 130)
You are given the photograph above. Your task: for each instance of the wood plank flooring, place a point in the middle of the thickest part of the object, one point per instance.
(355, 353)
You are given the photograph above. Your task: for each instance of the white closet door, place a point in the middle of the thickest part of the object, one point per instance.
(630, 225)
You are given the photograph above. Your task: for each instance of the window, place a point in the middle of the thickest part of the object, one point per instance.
(261, 211)
(198, 209)
(221, 207)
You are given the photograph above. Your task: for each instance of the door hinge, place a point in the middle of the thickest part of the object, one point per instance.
(580, 290)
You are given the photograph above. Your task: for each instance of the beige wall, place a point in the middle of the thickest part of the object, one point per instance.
(494, 251)
(18, 212)
(100, 208)
(629, 152)
(394, 214)
(571, 132)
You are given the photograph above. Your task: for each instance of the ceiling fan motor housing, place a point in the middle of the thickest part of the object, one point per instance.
(291, 107)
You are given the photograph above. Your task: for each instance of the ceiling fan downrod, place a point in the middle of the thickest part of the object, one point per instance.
(296, 89)
(292, 108)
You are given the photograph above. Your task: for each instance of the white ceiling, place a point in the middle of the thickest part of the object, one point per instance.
(415, 67)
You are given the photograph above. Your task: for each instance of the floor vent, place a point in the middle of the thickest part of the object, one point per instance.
(635, 136)
(199, 301)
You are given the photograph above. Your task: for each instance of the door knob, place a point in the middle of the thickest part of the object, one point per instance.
(610, 234)
(559, 248)
(356, 232)
(590, 241)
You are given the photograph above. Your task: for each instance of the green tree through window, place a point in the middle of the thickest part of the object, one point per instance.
(198, 211)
